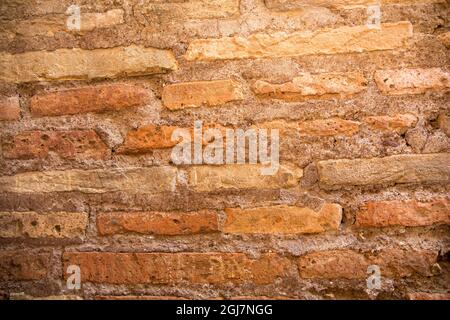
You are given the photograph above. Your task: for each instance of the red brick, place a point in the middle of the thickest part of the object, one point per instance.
(92, 99)
(351, 264)
(399, 123)
(176, 268)
(23, 265)
(147, 138)
(74, 144)
(159, 223)
(408, 213)
(9, 108)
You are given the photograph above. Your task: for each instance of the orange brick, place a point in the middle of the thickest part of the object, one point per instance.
(9, 109)
(74, 144)
(351, 264)
(23, 265)
(408, 213)
(201, 93)
(283, 219)
(159, 223)
(91, 99)
(176, 268)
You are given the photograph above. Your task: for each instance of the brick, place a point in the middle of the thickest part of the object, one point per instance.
(80, 64)
(91, 99)
(429, 296)
(150, 137)
(349, 264)
(399, 123)
(284, 5)
(20, 265)
(444, 123)
(410, 213)
(9, 109)
(412, 81)
(193, 9)
(445, 39)
(139, 180)
(177, 268)
(147, 138)
(23, 296)
(201, 93)
(139, 298)
(157, 223)
(307, 86)
(407, 168)
(241, 176)
(283, 219)
(327, 41)
(74, 144)
(329, 127)
(39, 225)
(50, 25)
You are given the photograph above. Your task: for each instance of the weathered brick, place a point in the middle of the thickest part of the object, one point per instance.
(91, 99)
(283, 219)
(241, 176)
(328, 41)
(399, 123)
(9, 108)
(139, 180)
(201, 93)
(139, 298)
(74, 144)
(50, 25)
(329, 127)
(23, 296)
(445, 39)
(176, 268)
(429, 296)
(193, 9)
(412, 81)
(80, 64)
(349, 264)
(307, 86)
(408, 213)
(444, 123)
(158, 223)
(23, 265)
(147, 138)
(406, 168)
(39, 225)
(284, 5)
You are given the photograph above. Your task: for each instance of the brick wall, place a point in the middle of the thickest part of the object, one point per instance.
(87, 178)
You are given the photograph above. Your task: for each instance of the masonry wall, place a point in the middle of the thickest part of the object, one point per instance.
(87, 177)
